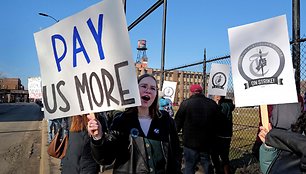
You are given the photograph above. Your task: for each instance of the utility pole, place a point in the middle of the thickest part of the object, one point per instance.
(162, 69)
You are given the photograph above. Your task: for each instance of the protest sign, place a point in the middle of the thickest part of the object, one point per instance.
(34, 88)
(169, 89)
(218, 79)
(261, 63)
(86, 62)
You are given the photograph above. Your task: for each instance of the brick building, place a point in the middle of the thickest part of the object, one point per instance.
(11, 90)
(183, 78)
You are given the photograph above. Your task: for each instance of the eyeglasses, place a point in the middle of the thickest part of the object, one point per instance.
(147, 87)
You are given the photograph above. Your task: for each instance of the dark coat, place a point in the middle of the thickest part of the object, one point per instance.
(292, 151)
(78, 158)
(126, 144)
(197, 117)
(225, 121)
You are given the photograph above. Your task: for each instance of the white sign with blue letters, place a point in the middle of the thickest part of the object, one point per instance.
(86, 62)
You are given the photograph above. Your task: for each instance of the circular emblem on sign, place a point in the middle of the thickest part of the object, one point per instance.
(260, 60)
(219, 79)
(168, 91)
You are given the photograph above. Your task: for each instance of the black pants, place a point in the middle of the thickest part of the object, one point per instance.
(221, 152)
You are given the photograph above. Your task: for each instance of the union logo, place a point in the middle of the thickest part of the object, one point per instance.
(260, 64)
(218, 80)
(168, 91)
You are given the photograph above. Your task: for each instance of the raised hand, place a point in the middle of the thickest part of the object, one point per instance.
(94, 127)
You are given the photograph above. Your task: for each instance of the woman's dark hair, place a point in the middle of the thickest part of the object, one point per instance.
(154, 108)
(300, 125)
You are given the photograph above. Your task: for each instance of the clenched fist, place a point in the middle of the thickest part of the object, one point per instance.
(94, 127)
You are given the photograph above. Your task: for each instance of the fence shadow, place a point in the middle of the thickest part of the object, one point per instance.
(247, 164)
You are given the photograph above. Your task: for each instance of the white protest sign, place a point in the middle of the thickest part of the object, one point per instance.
(261, 63)
(34, 87)
(86, 62)
(169, 89)
(218, 79)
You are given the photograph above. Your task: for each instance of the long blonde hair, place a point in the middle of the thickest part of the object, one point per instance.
(79, 123)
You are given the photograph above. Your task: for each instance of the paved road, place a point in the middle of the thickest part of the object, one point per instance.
(23, 137)
(20, 136)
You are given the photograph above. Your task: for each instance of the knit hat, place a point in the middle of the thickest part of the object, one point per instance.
(196, 88)
(163, 102)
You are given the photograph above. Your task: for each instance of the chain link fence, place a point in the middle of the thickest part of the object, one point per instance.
(246, 119)
(302, 65)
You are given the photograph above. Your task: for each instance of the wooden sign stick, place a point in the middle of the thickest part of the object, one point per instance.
(264, 116)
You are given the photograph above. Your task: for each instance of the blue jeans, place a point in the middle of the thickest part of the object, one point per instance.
(65, 126)
(53, 126)
(192, 157)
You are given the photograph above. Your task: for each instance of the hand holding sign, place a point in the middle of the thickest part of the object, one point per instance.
(263, 132)
(94, 127)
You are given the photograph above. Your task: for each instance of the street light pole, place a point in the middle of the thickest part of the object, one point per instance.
(46, 15)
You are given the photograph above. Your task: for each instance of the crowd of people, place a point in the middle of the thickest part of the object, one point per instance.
(144, 139)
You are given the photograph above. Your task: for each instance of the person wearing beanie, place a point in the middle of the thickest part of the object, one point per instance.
(165, 104)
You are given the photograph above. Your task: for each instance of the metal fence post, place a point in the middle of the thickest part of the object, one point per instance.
(204, 72)
(296, 44)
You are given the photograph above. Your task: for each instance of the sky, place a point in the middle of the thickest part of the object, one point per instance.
(191, 27)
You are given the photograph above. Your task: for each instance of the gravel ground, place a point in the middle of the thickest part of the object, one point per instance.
(248, 164)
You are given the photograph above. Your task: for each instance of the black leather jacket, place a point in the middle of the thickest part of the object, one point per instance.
(292, 155)
(127, 145)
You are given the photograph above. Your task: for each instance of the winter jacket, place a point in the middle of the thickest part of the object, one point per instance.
(266, 157)
(197, 118)
(78, 158)
(225, 121)
(288, 154)
(284, 115)
(133, 152)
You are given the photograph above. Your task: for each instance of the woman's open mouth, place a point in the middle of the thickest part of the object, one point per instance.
(146, 98)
